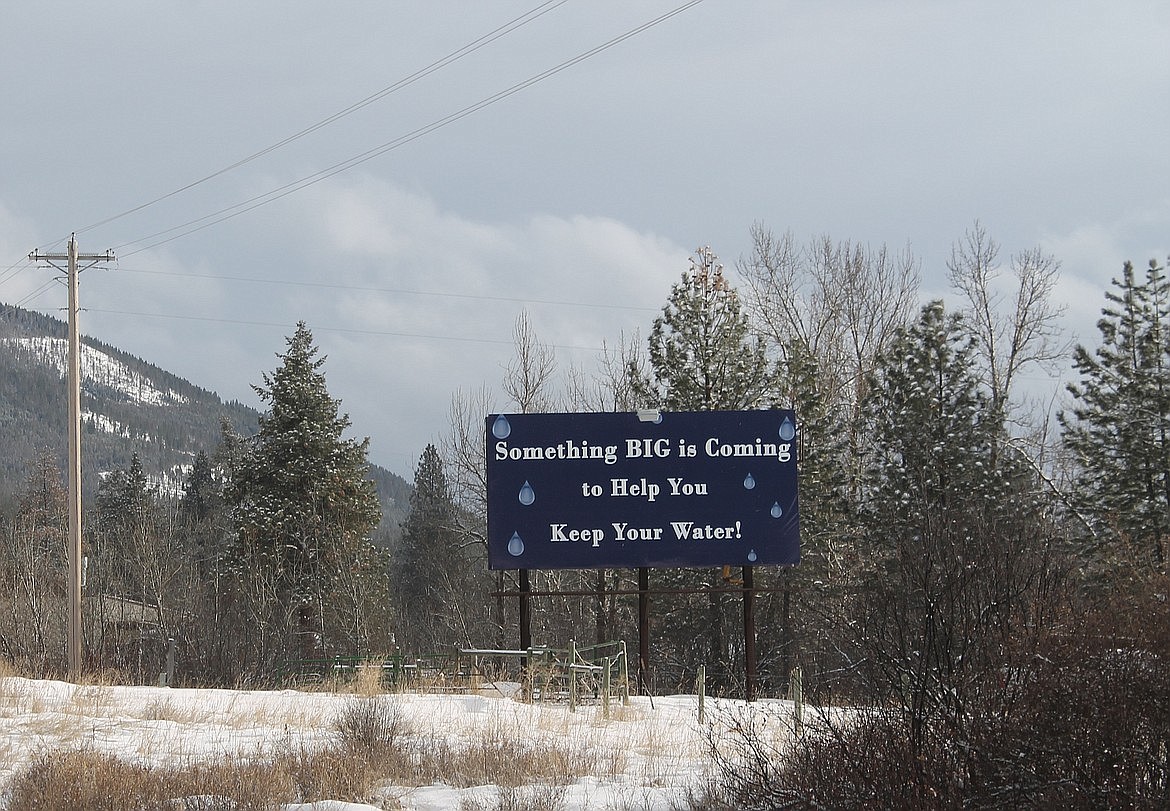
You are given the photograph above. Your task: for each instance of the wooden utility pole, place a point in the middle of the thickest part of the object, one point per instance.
(73, 618)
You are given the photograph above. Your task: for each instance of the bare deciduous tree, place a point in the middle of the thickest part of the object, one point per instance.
(529, 377)
(32, 568)
(1013, 320)
(464, 450)
(609, 389)
(838, 301)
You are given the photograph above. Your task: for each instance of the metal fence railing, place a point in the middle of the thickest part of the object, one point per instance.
(596, 673)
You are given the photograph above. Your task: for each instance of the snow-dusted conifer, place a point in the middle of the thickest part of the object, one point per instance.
(1119, 427)
(952, 539)
(431, 570)
(703, 355)
(301, 497)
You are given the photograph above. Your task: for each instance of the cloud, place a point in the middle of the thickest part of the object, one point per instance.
(409, 302)
(1092, 255)
(18, 276)
(413, 268)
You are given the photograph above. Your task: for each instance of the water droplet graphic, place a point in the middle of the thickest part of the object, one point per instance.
(787, 430)
(515, 546)
(749, 482)
(527, 495)
(501, 428)
(752, 556)
(777, 510)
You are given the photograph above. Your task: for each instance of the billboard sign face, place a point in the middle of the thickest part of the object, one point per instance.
(613, 490)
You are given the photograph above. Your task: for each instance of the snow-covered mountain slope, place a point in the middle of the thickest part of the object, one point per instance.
(100, 368)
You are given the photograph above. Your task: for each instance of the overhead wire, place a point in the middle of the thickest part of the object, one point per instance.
(229, 212)
(471, 47)
(350, 330)
(200, 223)
(12, 270)
(19, 267)
(35, 294)
(389, 290)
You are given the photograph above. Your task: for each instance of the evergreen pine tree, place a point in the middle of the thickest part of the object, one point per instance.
(135, 557)
(303, 505)
(430, 570)
(124, 498)
(43, 506)
(951, 531)
(1119, 428)
(703, 356)
(794, 618)
(202, 494)
(932, 425)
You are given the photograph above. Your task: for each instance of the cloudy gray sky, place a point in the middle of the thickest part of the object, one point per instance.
(576, 199)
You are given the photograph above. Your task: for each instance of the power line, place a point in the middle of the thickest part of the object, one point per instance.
(35, 294)
(454, 56)
(12, 270)
(347, 330)
(229, 212)
(391, 290)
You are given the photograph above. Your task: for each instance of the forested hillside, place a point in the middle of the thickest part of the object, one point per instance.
(129, 407)
(232, 539)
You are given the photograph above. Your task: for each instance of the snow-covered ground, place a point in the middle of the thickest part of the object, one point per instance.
(653, 751)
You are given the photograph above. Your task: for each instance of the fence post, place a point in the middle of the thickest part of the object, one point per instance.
(702, 685)
(572, 675)
(796, 693)
(605, 685)
(625, 676)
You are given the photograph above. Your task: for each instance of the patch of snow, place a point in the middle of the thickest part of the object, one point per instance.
(654, 751)
(100, 368)
(104, 424)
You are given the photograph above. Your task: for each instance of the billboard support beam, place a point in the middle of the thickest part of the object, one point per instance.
(644, 631)
(525, 611)
(746, 589)
(749, 633)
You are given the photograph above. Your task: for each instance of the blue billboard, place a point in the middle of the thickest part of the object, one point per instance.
(630, 490)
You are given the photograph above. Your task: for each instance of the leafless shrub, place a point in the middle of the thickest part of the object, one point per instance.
(1090, 724)
(372, 725)
(1083, 723)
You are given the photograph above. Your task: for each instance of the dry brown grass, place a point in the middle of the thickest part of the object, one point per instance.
(371, 745)
(367, 680)
(85, 779)
(162, 709)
